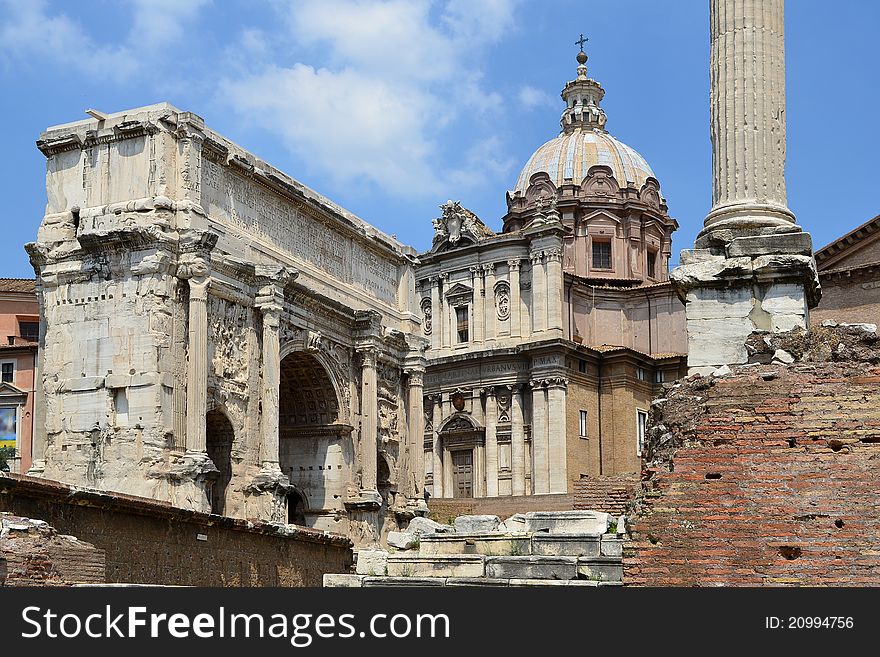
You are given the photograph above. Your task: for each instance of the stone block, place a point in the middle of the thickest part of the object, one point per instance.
(796, 243)
(462, 565)
(476, 581)
(338, 580)
(486, 544)
(785, 299)
(601, 569)
(568, 522)
(532, 567)
(723, 303)
(473, 524)
(525, 581)
(566, 545)
(403, 540)
(714, 342)
(611, 546)
(515, 523)
(372, 562)
(421, 526)
(370, 582)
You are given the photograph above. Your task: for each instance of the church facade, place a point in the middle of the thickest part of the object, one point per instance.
(549, 340)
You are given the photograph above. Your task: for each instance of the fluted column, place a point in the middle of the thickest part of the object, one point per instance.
(38, 450)
(436, 323)
(478, 330)
(556, 432)
(491, 443)
(517, 441)
(194, 268)
(270, 301)
(369, 418)
(554, 289)
(416, 426)
(442, 313)
(438, 447)
(747, 108)
(513, 279)
(540, 444)
(539, 293)
(491, 326)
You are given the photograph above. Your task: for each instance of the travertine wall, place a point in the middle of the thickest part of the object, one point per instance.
(767, 476)
(150, 542)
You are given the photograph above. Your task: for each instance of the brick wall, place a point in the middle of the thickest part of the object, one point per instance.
(150, 542)
(608, 494)
(444, 510)
(767, 476)
(33, 554)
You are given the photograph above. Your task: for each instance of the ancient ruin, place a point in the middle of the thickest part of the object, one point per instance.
(219, 336)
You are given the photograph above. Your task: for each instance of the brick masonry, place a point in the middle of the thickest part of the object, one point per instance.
(608, 494)
(150, 542)
(767, 476)
(34, 554)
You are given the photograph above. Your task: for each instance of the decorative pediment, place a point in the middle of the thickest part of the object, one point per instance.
(600, 182)
(10, 394)
(650, 193)
(458, 226)
(460, 422)
(459, 293)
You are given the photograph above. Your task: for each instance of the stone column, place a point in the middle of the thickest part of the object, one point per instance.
(369, 419)
(517, 441)
(557, 434)
(38, 445)
(747, 110)
(513, 278)
(491, 330)
(270, 301)
(443, 311)
(491, 443)
(540, 446)
(416, 426)
(194, 268)
(554, 290)
(478, 334)
(752, 268)
(438, 447)
(436, 315)
(539, 296)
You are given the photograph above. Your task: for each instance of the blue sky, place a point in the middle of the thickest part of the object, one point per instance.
(391, 108)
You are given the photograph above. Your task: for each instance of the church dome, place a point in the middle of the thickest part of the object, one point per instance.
(568, 158)
(584, 142)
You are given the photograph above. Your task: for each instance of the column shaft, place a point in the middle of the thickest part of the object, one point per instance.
(369, 419)
(540, 446)
(438, 447)
(513, 277)
(539, 294)
(269, 389)
(557, 435)
(491, 331)
(554, 290)
(197, 365)
(491, 444)
(517, 442)
(416, 428)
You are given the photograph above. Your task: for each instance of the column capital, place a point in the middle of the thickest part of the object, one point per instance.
(443, 275)
(416, 376)
(476, 270)
(514, 264)
(489, 268)
(554, 255)
(369, 354)
(557, 382)
(536, 257)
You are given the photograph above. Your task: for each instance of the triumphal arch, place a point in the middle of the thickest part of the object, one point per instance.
(219, 336)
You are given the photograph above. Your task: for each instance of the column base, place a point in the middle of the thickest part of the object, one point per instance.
(764, 282)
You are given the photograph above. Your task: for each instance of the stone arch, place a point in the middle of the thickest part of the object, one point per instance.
(462, 445)
(297, 503)
(219, 437)
(315, 447)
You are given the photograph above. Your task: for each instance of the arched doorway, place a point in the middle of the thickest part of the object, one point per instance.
(463, 444)
(314, 446)
(219, 435)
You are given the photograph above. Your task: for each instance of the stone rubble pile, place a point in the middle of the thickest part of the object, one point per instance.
(567, 548)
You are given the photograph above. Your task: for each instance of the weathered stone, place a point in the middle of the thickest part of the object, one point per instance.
(603, 569)
(473, 524)
(476, 581)
(783, 356)
(565, 545)
(339, 580)
(481, 543)
(724, 370)
(403, 540)
(793, 243)
(372, 562)
(420, 526)
(568, 522)
(532, 567)
(515, 523)
(611, 546)
(413, 565)
(404, 581)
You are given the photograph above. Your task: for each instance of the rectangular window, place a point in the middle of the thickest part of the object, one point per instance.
(461, 315)
(29, 331)
(652, 264)
(642, 374)
(582, 366)
(641, 430)
(583, 425)
(8, 372)
(601, 255)
(658, 376)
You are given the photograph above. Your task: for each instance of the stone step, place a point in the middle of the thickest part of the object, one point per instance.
(566, 545)
(532, 567)
(336, 580)
(567, 522)
(404, 581)
(601, 569)
(441, 565)
(492, 544)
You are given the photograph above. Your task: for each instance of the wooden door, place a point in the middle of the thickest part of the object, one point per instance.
(463, 473)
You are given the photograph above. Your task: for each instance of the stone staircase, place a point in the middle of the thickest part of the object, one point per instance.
(565, 548)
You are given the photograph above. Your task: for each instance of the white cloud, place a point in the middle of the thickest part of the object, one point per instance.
(33, 30)
(531, 97)
(384, 82)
